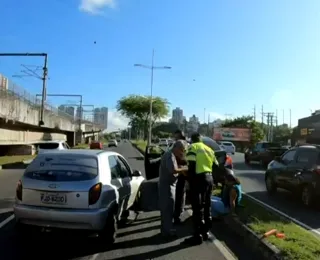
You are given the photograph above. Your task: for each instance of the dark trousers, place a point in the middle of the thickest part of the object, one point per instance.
(201, 189)
(180, 196)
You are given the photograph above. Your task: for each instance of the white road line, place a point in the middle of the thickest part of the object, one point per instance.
(6, 221)
(222, 248)
(94, 257)
(283, 214)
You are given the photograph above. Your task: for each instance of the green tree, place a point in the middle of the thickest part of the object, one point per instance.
(282, 133)
(257, 133)
(137, 109)
(164, 127)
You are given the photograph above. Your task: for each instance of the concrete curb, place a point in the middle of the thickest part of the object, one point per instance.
(137, 148)
(251, 239)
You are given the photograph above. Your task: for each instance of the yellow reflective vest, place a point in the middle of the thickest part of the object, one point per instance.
(203, 156)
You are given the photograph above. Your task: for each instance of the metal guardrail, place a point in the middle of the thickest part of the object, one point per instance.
(20, 93)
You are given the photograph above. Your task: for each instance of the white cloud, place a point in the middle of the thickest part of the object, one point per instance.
(96, 6)
(116, 121)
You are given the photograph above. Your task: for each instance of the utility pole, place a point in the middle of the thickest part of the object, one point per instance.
(271, 119)
(254, 113)
(262, 114)
(276, 117)
(283, 116)
(208, 128)
(290, 118)
(44, 77)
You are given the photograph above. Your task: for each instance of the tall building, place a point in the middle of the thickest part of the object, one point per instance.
(100, 116)
(79, 113)
(4, 83)
(70, 111)
(177, 116)
(62, 110)
(193, 124)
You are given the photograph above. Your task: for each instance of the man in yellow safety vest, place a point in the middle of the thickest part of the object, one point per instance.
(201, 160)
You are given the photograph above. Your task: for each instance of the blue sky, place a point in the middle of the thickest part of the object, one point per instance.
(240, 53)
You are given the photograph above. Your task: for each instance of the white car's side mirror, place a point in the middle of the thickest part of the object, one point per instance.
(136, 173)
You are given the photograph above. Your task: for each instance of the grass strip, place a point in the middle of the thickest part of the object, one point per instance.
(141, 145)
(15, 159)
(81, 146)
(298, 244)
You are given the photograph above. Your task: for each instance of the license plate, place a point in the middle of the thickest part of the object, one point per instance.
(53, 198)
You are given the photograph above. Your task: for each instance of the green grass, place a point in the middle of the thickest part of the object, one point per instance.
(298, 244)
(141, 144)
(15, 159)
(81, 146)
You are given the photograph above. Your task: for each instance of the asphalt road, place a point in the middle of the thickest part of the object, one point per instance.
(252, 180)
(140, 240)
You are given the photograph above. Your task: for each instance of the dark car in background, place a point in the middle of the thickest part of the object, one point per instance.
(298, 171)
(264, 153)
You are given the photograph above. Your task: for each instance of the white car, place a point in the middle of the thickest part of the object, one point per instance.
(228, 147)
(163, 142)
(46, 146)
(77, 189)
(113, 143)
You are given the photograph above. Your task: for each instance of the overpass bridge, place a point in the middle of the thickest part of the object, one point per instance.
(19, 119)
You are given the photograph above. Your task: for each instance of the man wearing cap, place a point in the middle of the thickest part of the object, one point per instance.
(168, 173)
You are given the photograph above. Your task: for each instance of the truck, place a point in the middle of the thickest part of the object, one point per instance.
(263, 153)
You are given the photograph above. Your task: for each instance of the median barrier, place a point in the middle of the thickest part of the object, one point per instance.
(138, 148)
(259, 244)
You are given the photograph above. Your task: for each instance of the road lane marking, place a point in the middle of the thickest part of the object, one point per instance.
(94, 257)
(222, 248)
(284, 214)
(6, 221)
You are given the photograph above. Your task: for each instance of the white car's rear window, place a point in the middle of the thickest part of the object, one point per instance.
(48, 145)
(62, 168)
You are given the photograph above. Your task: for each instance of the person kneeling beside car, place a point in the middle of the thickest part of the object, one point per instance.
(230, 198)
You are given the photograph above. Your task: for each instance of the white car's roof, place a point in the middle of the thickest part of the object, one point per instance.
(90, 152)
(50, 142)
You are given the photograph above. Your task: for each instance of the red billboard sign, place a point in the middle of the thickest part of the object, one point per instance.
(232, 134)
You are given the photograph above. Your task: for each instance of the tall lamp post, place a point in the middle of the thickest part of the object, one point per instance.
(152, 68)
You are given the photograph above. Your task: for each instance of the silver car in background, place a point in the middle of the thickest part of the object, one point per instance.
(228, 147)
(77, 189)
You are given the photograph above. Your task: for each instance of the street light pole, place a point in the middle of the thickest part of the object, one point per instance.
(151, 97)
(152, 68)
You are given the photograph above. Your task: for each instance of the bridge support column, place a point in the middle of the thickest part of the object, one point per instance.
(79, 137)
